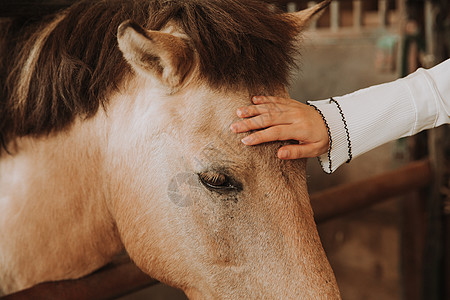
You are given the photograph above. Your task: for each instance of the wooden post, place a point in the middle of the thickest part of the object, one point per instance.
(438, 143)
(357, 14)
(353, 196)
(435, 285)
(313, 25)
(291, 7)
(402, 17)
(430, 37)
(383, 12)
(413, 226)
(334, 16)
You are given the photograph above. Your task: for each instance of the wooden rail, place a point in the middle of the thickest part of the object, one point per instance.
(117, 279)
(350, 197)
(123, 277)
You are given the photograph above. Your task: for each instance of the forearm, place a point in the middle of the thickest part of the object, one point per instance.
(386, 112)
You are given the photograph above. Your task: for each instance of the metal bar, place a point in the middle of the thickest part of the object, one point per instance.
(350, 197)
(117, 279)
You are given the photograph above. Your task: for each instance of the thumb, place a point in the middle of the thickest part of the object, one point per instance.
(298, 151)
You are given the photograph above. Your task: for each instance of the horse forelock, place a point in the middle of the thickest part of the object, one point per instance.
(69, 66)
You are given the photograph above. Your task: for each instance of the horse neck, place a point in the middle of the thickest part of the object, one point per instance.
(54, 215)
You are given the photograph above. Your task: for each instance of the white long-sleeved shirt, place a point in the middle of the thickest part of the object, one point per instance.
(385, 112)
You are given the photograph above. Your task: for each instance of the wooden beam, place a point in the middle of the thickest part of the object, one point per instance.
(353, 196)
(117, 279)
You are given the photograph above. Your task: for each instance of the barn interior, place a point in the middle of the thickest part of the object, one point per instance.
(388, 245)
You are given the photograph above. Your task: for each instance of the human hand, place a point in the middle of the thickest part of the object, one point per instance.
(284, 119)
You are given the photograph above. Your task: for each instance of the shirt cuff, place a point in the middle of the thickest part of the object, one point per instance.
(338, 149)
(374, 116)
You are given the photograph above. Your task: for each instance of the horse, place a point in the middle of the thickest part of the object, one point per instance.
(114, 126)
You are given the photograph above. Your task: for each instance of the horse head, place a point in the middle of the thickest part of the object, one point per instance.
(194, 207)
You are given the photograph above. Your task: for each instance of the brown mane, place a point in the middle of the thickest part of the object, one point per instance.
(240, 43)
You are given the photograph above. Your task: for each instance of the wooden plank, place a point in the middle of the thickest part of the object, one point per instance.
(353, 196)
(117, 279)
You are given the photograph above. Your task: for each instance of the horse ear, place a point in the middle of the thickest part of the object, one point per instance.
(155, 53)
(306, 16)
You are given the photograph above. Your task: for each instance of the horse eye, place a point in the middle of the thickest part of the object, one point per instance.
(216, 181)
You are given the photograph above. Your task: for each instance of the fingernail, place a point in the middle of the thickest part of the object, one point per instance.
(256, 99)
(284, 153)
(247, 140)
(239, 113)
(233, 127)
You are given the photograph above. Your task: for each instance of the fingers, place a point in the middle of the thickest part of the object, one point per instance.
(258, 122)
(269, 99)
(255, 110)
(254, 123)
(263, 104)
(298, 151)
(258, 117)
(274, 133)
(262, 115)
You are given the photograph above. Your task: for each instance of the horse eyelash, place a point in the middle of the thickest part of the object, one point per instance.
(213, 177)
